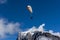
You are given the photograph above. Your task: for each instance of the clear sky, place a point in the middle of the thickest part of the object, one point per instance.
(44, 11)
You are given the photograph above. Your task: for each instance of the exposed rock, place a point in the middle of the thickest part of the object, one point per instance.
(38, 36)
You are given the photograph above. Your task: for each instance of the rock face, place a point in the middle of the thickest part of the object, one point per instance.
(37, 36)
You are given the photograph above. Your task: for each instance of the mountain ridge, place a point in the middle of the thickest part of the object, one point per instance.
(38, 36)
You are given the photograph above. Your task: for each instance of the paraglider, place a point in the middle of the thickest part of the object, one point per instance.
(29, 8)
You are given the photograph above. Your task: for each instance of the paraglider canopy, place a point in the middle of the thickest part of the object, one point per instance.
(29, 8)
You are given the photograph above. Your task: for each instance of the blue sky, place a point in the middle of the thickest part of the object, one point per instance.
(44, 11)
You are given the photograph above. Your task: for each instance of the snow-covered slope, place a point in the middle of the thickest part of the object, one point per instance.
(38, 34)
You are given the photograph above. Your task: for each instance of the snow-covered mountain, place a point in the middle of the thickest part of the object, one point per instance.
(38, 34)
